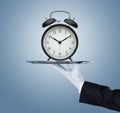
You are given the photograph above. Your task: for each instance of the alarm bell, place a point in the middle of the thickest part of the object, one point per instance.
(48, 22)
(52, 20)
(71, 22)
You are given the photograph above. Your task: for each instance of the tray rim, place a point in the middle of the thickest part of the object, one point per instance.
(59, 62)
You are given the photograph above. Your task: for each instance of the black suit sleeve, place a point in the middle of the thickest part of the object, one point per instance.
(100, 95)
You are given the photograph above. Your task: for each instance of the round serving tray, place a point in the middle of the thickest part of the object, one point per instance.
(59, 62)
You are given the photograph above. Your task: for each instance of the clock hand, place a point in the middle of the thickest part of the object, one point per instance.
(66, 38)
(54, 39)
(59, 42)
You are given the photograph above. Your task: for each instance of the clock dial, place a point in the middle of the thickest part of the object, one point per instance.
(59, 42)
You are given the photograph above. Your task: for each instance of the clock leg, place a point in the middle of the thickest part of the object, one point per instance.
(48, 59)
(70, 59)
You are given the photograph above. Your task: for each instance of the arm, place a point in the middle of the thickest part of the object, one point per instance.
(91, 93)
(100, 95)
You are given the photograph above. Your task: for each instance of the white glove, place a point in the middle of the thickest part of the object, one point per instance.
(72, 74)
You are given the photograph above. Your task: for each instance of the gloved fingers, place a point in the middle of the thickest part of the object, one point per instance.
(77, 66)
(70, 67)
(59, 68)
(77, 71)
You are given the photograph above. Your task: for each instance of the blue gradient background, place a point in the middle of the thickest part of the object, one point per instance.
(27, 88)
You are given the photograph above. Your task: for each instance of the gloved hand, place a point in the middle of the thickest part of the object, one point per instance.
(72, 74)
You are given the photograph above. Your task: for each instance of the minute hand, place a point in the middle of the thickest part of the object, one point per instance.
(66, 38)
(54, 39)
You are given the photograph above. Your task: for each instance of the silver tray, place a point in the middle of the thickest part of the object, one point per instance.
(59, 62)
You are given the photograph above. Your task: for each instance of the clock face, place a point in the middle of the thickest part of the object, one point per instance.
(59, 42)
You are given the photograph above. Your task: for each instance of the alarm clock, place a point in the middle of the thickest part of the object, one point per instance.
(59, 41)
